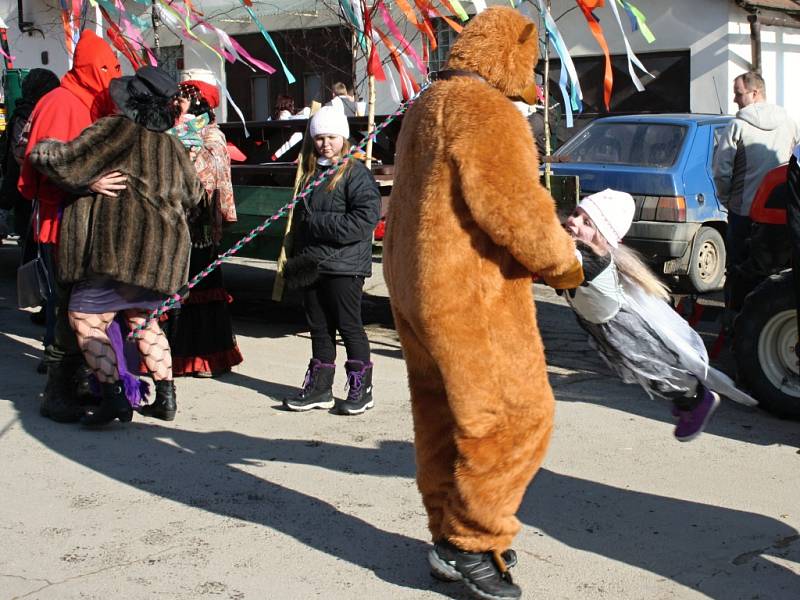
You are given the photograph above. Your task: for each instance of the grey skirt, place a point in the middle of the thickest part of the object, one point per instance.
(637, 354)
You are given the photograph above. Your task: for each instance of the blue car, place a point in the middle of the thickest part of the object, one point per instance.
(665, 163)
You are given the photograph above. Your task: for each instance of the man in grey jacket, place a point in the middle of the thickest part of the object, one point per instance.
(758, 139)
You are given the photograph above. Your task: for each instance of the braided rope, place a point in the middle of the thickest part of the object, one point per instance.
(175, 299)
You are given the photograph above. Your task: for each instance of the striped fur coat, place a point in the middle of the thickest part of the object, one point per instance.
(140, 237)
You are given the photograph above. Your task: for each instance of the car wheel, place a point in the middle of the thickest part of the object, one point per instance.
(707, 264)
(765, 335)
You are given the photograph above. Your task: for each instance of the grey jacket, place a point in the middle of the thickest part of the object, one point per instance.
(760, 138)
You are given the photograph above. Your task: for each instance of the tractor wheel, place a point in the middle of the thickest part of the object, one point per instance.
(765, 336)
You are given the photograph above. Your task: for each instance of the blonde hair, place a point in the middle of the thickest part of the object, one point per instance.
(630, 264)
(310, 166)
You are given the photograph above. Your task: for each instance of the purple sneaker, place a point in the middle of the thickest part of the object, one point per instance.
(691, 423)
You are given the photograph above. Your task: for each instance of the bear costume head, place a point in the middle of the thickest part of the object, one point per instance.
(501, 46)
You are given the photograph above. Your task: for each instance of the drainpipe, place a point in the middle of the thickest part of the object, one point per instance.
(26, 26)
(755, 42)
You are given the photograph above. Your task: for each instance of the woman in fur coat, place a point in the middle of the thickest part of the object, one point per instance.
(125, 253)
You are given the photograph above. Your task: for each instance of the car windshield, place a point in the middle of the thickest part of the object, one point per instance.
(634, 144)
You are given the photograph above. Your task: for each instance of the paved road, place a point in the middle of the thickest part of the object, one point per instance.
(238, 499)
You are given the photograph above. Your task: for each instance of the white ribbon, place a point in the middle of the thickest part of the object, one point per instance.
(632, 60)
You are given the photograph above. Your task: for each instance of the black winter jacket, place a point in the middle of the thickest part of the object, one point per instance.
(335, 227)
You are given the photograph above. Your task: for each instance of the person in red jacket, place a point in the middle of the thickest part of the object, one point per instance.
(62, 114)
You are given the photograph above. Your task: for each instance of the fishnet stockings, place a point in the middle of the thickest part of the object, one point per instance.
(95, 345)
(153, 345)
(90, 329)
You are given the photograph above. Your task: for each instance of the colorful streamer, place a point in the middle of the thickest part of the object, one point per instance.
(638, 20)
(573, 98)
(398, 35)
(267, 37)
(632, 58)
(587, 6)
(374, 66)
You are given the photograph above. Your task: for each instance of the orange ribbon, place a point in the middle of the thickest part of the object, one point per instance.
(405, 77)
(586, 7)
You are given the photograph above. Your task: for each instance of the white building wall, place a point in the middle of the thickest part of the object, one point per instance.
(27, 48)
(780, 61)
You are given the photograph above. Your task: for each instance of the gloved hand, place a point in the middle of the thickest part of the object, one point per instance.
(570, 291)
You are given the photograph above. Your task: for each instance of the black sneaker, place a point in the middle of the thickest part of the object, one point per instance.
(449, 574)
(485, 574)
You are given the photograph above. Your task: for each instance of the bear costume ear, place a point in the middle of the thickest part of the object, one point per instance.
(527, 32)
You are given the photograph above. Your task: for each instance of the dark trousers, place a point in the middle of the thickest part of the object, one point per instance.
(736, 250)
(61, 344)
(333, 303)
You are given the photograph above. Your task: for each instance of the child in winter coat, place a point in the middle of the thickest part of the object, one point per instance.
(334, 234)
(624, 308)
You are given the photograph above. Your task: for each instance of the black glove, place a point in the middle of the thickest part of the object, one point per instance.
(570, 291)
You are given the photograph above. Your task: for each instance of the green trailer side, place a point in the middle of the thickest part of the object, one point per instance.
(254, 204)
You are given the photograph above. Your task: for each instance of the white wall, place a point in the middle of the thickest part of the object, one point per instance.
(780, 61)
(27, 48)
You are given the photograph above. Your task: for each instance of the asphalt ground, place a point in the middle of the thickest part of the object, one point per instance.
(238, 499)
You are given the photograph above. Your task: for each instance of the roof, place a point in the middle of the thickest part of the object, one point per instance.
(677, 118)
(777, 5)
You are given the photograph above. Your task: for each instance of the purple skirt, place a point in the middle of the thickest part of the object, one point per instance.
(98, 296)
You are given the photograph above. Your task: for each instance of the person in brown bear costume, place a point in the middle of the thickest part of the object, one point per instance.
(468, 225)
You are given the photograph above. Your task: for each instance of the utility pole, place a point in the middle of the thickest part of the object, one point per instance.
(546, 89)
(156, 24)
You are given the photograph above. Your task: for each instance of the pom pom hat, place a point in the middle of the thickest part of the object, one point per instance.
(329, 120)
(612, 213)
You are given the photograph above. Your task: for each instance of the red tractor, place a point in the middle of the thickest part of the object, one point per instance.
(765, 332)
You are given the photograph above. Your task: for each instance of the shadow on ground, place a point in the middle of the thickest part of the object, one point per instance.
(718, 550)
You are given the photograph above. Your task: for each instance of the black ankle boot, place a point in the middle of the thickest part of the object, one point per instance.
(59, 402)
(114, 405)
(165, 405)
(484, 573)
(82, 389)
(317, 391)
(359, 389)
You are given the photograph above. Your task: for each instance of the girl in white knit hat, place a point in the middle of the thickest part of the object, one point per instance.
(332, 255)
(623, 306)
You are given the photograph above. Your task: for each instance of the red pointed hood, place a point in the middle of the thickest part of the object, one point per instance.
(94, 65)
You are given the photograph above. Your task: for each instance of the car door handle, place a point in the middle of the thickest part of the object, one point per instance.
(700, 198)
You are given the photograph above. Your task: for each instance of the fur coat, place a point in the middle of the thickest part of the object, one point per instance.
(468, 225)
(140, 237)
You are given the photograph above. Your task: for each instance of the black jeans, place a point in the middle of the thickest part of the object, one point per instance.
(333, 303)
(736, 247)
(63, 347)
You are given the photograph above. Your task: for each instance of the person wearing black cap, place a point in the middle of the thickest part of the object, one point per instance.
(125, 254)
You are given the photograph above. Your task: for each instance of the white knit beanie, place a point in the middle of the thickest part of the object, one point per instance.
(329, 121)
(199, 75)
(612, 213)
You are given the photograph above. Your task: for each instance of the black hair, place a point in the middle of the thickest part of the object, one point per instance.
(197, 104)
(156, 113)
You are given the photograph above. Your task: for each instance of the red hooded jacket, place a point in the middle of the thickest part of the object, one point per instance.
(63, 114)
